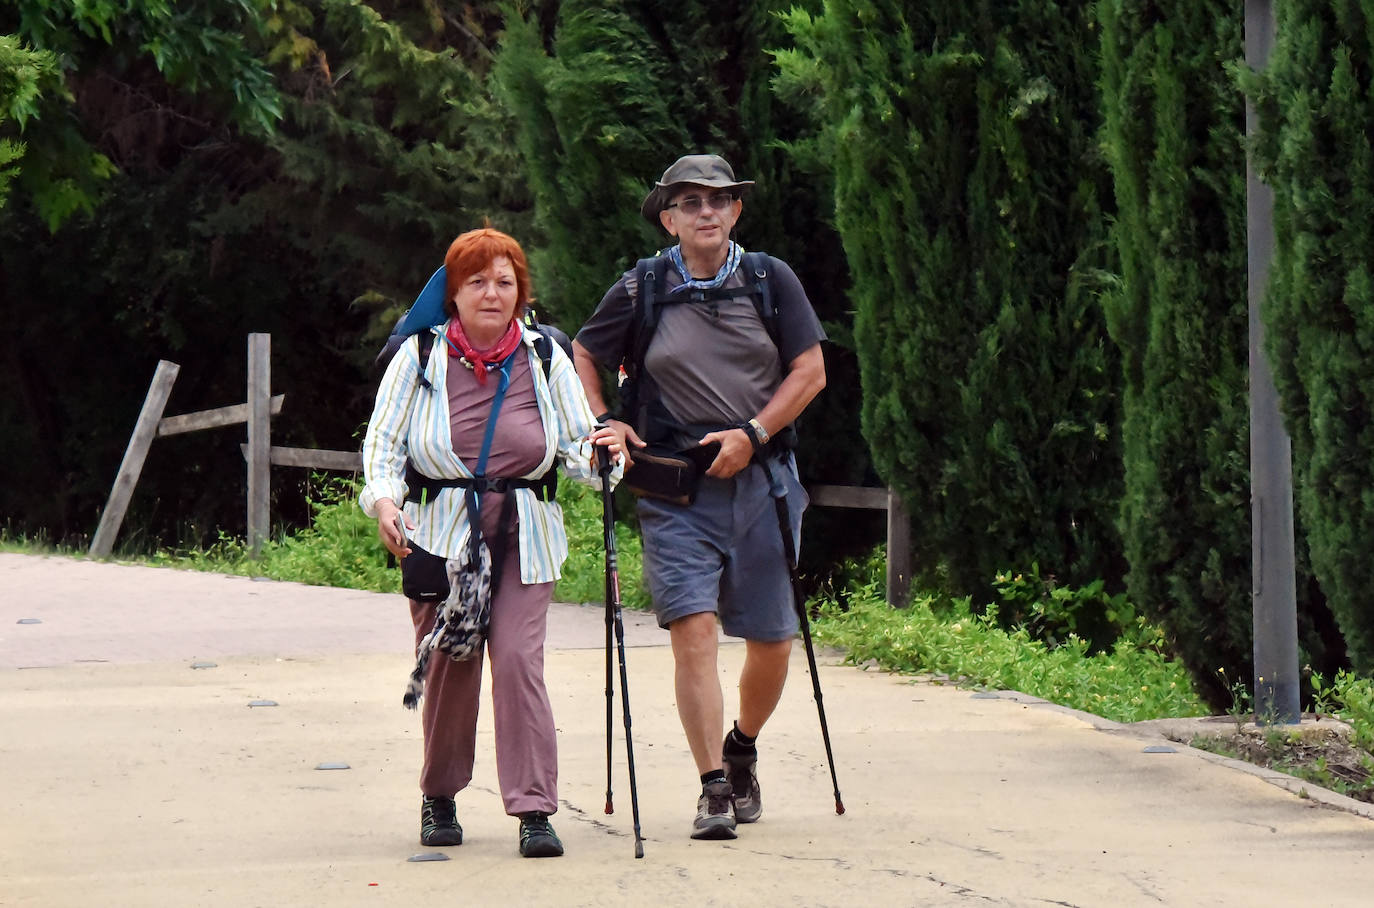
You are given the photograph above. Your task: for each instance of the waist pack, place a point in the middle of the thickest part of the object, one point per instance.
(424, 576)
(669, 475)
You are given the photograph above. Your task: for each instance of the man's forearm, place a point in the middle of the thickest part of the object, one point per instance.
(589, 373)
(805, 379)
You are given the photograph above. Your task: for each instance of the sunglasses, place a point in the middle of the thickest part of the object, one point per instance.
(692, 204)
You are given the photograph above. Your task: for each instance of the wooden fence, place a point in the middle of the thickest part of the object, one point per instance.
(260, 455)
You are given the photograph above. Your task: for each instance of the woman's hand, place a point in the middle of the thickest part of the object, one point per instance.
(616, 437)
(388, 518)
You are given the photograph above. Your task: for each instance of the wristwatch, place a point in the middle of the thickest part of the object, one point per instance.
(758, 435)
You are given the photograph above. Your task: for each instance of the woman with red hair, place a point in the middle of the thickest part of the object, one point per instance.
(460, 451)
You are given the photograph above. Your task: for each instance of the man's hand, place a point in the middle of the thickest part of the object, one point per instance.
(736, 450)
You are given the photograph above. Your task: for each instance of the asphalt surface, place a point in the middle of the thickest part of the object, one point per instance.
(177, 738)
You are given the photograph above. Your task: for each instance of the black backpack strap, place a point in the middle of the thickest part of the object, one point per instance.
(761, 289)
(426, 347)
(650, 279)
(543, 346)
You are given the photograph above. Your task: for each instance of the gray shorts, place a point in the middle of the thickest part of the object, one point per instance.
(723, 553)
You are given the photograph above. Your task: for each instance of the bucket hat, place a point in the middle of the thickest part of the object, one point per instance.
(698, 169)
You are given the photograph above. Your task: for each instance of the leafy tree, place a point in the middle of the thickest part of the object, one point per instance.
(104, 49)
(316, 228)
(967, 182)
(1317, 103)
(23, 74)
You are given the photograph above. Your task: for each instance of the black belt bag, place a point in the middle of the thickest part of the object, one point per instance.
(424, 576)
(668, 475)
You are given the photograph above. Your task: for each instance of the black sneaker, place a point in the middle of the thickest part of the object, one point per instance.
(715, 812)
(439, 822)
(537, 838)
(742, 772)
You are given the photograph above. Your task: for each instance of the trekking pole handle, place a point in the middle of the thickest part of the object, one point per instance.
(603, 454)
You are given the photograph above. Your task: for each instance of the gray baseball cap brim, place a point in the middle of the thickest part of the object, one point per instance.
(710, 170)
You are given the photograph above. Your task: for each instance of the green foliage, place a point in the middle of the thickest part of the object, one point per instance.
(584, 573)
(317, 233)
(1052, 613)
(104, 50)
(1355, 698)
(967, 181)
(1173, 137)
(340, 548)
(1317, 107)
(595, 101)
(1132, 680)
(22, 75)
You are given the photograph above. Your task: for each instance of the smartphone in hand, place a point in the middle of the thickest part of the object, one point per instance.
(401, 528)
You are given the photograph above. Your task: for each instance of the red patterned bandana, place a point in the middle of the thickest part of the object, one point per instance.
(479, 361)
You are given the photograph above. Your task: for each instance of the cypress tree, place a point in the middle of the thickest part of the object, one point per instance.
(1173, 135)
(966, 193)
(1318, 107)
(605, 96)
(592, 93)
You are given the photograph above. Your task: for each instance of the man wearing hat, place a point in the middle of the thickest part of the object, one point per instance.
(714, 373)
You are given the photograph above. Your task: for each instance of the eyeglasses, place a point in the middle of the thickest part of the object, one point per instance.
(692, 204)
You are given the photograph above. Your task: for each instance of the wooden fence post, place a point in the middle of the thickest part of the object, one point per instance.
(898, 551)
(259, 439)
(144, 430)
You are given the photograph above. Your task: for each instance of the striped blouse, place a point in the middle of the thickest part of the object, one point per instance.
(410, 420)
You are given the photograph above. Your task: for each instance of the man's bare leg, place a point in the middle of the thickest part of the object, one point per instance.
(696, 681)
(761, 682)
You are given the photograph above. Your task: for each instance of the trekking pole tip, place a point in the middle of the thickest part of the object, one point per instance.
(639, 849)
(610, 808)
(839, 806)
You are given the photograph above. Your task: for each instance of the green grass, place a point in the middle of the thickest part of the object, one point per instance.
(1129, 680)
(341, 548)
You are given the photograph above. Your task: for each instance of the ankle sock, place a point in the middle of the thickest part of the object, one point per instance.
(715, 775)
(740, 744)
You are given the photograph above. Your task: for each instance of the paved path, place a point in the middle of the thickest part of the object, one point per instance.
(132, 777)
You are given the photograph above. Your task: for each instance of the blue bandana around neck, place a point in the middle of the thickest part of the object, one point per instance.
(732, 260)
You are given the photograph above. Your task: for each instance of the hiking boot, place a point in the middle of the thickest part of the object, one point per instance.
(742, 771)
(439, 822)
(537, 838)
(715, 812)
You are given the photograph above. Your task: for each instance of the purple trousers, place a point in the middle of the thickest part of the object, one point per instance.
(526, 748)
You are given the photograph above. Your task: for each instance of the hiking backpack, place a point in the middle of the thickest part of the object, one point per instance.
(643, 410)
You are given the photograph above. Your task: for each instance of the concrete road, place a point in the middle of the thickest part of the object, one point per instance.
(137, 770)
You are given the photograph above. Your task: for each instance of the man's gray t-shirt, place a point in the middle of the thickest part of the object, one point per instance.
(712, 361)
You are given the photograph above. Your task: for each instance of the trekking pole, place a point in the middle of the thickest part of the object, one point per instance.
(789, 549)
(613, 617)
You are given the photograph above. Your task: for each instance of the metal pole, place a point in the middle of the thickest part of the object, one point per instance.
(1271, 463)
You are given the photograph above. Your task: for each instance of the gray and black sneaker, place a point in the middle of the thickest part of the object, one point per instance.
(715, 812)
(537, 838)
(742, 772)
(439, 822)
